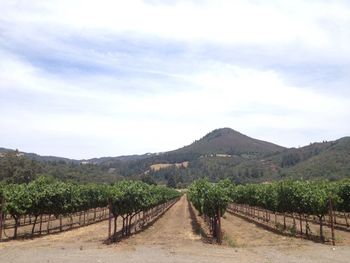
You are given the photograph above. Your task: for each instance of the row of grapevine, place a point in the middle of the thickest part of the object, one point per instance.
(296, 197)
(51, 197)
(211, 201)
(304, 198)
(129, 198)
(309, 197)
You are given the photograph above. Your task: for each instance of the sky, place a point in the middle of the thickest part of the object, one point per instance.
(83, 79)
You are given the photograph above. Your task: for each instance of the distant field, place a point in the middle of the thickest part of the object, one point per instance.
(159, 166)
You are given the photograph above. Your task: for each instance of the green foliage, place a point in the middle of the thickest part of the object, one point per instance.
(328, 160)
(343, 191)
(209, 198)
(15, 168)
(146, 178)
(1, 190)
(303, 197)
(130, 197)
(49, 196)
(171, 182)
(18, 200)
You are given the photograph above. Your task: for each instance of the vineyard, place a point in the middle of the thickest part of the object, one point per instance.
(326, 204)
(211, 201)
(310, 210)
(163, 224)
(137, 203)
(45, 206)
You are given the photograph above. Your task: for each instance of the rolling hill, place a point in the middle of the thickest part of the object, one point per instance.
(222, 153)
(328, 160)
(231, 142)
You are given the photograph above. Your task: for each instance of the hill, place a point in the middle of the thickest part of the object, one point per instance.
(255, 161)
(328, 160)
(222, 153)
(39, 158)
(231, 142)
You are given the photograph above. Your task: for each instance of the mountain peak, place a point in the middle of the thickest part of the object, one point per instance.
(221, 132)
(229, 141)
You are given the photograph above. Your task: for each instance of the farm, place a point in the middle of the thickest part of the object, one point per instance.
(150, 223)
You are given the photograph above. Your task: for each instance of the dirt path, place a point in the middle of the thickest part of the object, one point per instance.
(172, 238)
(173, 229)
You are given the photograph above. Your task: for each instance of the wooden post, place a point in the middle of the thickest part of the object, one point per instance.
(71, 221)
(41, 223)
(218, 231)
(60, 217)
(110, 219)
(331, 217)
(306, 226)
(48, 224)
(1, 216)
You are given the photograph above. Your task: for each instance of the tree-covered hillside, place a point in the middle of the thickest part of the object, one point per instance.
(231, 142)
(223, 153)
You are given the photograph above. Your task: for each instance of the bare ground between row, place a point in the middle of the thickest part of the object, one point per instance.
(175, 237)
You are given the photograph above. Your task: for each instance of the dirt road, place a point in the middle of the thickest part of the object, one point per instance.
(175, 237)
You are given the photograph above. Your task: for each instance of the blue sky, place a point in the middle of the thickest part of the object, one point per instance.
(85, 79)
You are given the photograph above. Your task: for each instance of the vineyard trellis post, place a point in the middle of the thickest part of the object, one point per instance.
(2, 202)
(218, 231)
(109, 218)
(41, 224)
(331, 218)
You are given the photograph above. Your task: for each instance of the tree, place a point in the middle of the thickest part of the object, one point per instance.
(171, 182)
(148, 179)
(15, 168)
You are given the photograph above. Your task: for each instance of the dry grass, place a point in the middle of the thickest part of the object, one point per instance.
(159, 166)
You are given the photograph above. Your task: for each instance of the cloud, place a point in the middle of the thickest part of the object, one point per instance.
(258, 22)
(123, 77)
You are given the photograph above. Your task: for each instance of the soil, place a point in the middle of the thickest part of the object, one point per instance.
(68, 222)
(178, 236)
(342, 235)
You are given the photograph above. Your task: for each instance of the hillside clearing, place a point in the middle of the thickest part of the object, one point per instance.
(159, 166)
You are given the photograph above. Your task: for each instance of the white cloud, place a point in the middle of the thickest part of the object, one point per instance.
(219, 95)
(153, 101)
(246, 22)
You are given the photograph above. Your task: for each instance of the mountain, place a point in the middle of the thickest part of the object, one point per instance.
(225, 153)
(220, 141)
(231, 142)
(45, 158)
(327, 160)
(222, 153)
(39, 158)
(123, 158)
